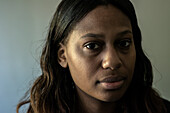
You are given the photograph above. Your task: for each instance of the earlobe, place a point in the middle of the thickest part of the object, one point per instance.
(61, 56)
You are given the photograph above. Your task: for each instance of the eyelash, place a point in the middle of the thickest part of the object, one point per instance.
(124, 44)
(94, 45)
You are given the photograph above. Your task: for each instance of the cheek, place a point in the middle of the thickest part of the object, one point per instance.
(81, 67)
(129, 61)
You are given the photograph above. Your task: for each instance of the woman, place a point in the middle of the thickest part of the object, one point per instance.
(93, 62)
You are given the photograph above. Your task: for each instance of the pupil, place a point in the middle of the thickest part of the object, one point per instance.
(124, 44)
(92, 46)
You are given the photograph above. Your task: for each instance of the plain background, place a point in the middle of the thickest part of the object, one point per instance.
(23, 28)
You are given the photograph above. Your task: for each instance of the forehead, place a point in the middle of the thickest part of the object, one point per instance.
(103, 16)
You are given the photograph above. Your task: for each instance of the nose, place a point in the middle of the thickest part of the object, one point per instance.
(111, 59)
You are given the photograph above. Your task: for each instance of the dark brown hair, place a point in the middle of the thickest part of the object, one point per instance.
(53, 91)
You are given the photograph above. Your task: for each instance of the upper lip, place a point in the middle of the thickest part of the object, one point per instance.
(113, 79)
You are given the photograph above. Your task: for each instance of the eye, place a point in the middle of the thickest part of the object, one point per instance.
(92, 45)
(124, 44)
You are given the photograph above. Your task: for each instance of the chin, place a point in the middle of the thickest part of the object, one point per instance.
(113, 96)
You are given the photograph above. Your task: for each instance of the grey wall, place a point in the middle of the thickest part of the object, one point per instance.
(24, 24)
(154, 21)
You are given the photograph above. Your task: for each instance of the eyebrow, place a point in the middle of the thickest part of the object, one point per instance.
(101, 35)
(124, 33)
(93, 35)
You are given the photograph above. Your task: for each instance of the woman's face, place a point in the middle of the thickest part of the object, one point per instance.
(100, 54)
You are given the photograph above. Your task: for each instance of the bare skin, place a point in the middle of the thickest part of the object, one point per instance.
(88, 104)
(100, 54)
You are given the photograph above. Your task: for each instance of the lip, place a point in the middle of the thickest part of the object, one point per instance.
(112, 83)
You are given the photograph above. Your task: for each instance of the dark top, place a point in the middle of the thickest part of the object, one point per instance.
(167, 105)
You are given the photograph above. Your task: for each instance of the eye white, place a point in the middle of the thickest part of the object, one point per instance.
(92, 46)
(125, 43)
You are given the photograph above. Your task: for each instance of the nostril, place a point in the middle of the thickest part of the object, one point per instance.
(111, 65)
(116, 67)
(111, 60)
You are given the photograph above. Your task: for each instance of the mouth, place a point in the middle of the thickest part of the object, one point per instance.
(112, 83)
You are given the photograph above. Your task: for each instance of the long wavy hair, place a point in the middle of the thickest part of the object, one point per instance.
(53, 91)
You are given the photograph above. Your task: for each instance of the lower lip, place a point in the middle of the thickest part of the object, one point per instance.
(112, 85)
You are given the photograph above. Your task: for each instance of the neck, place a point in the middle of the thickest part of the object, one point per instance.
(88, 104)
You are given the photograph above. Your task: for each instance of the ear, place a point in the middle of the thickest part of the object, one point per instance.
(62, 56)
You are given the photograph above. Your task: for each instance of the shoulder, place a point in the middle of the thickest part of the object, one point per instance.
(167, 105)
